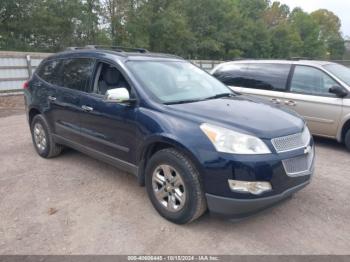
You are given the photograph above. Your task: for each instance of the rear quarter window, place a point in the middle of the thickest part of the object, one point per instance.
(50, 72)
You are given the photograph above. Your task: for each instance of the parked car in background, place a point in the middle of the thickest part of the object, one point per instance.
(317, 90)
(173, 126)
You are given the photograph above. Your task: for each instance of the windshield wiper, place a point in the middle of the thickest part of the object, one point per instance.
(221, 96)
(203, 99)
(183, 101)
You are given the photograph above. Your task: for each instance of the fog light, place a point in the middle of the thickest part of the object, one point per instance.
(255, 188)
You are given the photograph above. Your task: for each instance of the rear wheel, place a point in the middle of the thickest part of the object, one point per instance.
(347, 139)
(42, 138)
(174, 187)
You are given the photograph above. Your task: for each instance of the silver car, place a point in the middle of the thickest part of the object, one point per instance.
(317, 90)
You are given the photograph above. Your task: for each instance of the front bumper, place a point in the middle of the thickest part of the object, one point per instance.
(244, 207)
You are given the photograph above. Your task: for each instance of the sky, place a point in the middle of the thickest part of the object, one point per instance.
(340, 7)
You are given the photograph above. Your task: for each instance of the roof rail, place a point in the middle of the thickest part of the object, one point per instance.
(114, 48)
(118, 48)
(300, 58)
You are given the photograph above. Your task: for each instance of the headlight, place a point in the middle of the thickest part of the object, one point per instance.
(229, 141)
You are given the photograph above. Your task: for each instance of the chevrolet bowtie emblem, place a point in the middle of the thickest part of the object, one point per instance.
(307, 150)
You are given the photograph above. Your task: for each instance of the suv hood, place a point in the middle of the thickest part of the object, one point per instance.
(244, 114)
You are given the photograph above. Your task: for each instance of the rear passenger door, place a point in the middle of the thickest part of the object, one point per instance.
(76, 78)
(46, 81)
(309, 95)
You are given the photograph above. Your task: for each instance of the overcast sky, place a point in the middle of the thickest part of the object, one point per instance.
(340, 7)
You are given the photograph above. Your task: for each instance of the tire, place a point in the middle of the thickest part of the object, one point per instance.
(42, 138)
(186, 183)
(347, 139)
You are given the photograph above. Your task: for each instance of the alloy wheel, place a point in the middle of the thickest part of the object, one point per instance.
(169, 188)
(40, 137)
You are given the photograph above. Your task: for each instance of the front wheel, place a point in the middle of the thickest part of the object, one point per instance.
(174, 187)
(347, 139)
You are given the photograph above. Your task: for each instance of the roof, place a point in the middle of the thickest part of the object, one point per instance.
(295, 62)
(116, 54)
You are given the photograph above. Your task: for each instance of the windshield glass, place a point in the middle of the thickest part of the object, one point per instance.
(340, 71)
(177, 82)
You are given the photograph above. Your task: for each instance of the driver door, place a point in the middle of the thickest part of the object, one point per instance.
(108, 127)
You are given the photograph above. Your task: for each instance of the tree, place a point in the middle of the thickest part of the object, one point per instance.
(286, 42)
(202, 29)
(116, 14)
(253, 9)
(216, 28)
(49, 25)
(90, 24)
(330, 33)
(15, 23)
(309, 32)
(276, 14)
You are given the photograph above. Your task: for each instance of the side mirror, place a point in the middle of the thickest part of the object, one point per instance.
(338, 91)
(118, 95)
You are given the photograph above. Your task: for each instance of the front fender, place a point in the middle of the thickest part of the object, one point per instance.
(172, 141)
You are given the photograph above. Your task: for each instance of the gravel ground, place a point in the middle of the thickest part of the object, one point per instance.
(74, 204)
(11, 104)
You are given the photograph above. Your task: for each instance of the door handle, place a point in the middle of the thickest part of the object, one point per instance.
(290, 103)
(52, 98)
(87, 108)
(275, 101)
(37, 84)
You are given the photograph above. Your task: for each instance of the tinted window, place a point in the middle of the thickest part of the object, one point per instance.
(340, 71)
(49, 71)
(312, 81)
(77, 73)
(232, 74)
(267, 76)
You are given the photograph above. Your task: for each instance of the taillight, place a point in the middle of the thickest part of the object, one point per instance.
(26, 85)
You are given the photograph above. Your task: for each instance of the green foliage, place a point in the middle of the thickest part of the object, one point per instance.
(330, 25)
(309, 32)
(198, 29)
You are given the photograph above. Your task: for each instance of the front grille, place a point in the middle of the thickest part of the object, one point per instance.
(300, 165)
(292, 142)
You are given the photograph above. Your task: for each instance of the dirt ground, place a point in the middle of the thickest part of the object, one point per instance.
(11, 105)
(74, 204)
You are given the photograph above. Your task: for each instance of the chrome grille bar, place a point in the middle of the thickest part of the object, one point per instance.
(300, 165)
(292, 142)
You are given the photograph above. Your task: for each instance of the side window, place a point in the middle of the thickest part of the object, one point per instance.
(232, 74)
(50, 72)
(309, 80)
(109, 77)
(77, 73)
(268, 76)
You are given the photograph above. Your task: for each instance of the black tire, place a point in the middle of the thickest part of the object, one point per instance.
(195, 203)
(52, 149)
(347, 139)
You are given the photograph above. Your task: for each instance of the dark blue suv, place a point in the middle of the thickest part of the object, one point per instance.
(188, 138)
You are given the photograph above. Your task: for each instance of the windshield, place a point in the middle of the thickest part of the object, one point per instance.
(177, 82)
(340, 71)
